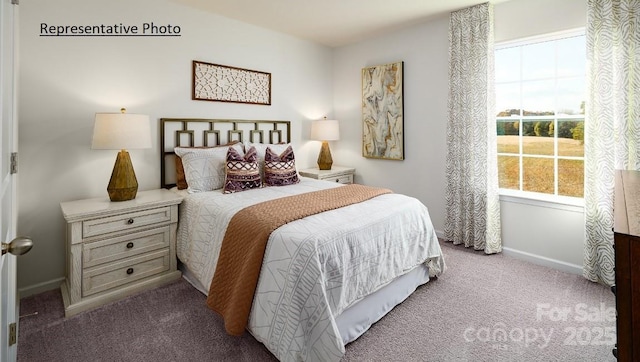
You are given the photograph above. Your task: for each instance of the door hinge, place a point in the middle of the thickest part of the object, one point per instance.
(13, 334)
(15, 2)
(14, 162)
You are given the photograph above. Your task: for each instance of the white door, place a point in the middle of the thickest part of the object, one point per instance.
(8, 214)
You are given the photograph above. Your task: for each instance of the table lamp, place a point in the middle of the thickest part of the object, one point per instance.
(121, 131)
(325, 130)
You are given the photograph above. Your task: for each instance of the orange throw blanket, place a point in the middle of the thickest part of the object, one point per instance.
(236, 276)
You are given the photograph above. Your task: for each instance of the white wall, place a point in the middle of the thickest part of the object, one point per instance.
(517, 19)
(65, 80)
(552, 236)
(424, 50)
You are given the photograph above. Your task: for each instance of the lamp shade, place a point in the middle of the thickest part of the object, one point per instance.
(325, 130)
(119, 131)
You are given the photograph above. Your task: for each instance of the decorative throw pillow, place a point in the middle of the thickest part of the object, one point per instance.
(204, 167)
(280, 170)
(262, 149)
(242, 172)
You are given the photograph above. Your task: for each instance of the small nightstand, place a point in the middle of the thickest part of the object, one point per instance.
(115, 249)
(341, 174)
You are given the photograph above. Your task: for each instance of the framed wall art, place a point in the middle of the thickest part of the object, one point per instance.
(221, 83)
(383, 112)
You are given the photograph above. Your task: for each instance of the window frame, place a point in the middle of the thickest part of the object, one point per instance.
(531, 197)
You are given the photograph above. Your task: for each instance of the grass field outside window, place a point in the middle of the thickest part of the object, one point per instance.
(539, 163)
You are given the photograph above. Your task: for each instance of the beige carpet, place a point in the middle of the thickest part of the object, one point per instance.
(484, 308)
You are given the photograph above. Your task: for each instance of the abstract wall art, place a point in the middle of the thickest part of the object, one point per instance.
(383, 112)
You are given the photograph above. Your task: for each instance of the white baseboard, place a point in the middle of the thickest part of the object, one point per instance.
(544, 261)
(535, 259)
(40, 287)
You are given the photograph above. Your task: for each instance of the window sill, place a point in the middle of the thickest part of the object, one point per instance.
(573, 204)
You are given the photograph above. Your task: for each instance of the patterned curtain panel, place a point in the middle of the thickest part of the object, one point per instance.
(612, 133)
(473, 208)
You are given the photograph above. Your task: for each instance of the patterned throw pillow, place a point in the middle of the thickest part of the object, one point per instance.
(262, 150)
(280, 170)
(242, 171)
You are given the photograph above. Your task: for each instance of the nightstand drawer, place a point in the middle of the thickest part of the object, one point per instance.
(339, 174)
(343, 179)
(126, 221)
(103, 251)
(98, 279)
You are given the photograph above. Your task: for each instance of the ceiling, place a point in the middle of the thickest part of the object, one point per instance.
(332, 23)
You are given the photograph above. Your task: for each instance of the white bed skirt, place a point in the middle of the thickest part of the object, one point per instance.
(358, 318)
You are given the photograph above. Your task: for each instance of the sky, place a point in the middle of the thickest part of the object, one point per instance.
(526, 76)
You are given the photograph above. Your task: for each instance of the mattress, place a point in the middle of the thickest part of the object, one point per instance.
(320, 269)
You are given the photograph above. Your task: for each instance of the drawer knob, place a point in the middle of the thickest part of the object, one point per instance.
(130, 221)
(129, 245)
(130, 271)
(337, 180)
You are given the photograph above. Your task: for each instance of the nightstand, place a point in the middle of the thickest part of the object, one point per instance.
(115, 249)
(341, 174)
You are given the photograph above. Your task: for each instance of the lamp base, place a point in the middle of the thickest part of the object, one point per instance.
(324, 158)
(123, 184)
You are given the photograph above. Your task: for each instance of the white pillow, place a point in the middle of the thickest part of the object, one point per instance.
(204, 168)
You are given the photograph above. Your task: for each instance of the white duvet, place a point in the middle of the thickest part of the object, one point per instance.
(316, 267)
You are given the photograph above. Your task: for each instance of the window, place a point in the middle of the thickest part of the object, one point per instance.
(540, 92)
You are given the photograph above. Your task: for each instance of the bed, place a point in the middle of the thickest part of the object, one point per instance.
(325, 278)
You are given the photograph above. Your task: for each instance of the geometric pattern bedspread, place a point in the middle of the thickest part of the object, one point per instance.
(316, 267)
